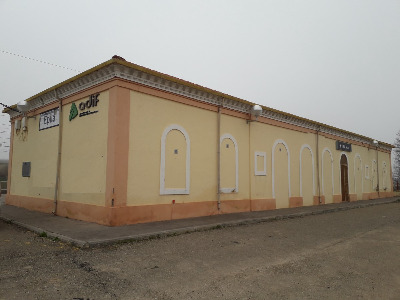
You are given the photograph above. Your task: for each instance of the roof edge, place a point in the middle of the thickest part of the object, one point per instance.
(121, 61)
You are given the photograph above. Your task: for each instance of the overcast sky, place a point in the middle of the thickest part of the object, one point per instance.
(333, 61)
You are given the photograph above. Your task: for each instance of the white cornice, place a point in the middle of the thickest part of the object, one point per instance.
(116, 70)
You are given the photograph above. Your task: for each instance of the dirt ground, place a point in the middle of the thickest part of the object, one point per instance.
(345, 255)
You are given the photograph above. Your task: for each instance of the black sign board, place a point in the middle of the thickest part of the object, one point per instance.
(343, 146)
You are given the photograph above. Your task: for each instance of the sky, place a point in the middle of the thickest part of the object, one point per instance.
(333, 61)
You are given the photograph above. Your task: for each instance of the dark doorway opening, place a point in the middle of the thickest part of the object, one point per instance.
(344, 178)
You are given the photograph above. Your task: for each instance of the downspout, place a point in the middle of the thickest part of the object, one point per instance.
(391, 171)
(318, 183)
(377, 169)
(250, 174)
(58, 154)
(219, 157)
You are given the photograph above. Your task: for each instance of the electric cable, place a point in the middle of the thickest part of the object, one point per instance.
(38, 60)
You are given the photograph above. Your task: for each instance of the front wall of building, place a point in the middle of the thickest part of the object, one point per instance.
(40, 149)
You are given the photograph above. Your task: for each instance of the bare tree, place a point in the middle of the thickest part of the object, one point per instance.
(396, 161)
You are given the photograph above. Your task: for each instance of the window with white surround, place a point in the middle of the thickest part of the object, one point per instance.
(260, 163)
(366, 172)
(229, 164)
(175, 161)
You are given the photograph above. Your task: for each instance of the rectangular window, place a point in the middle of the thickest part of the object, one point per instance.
(260, 163)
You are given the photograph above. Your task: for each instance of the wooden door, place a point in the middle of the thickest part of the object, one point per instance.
(344, 178)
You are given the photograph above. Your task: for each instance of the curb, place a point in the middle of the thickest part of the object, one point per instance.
(49, 234)
(196, 228)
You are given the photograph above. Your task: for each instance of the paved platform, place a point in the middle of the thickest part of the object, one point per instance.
(85, 234)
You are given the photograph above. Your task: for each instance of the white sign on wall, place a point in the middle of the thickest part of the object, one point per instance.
(50, 118)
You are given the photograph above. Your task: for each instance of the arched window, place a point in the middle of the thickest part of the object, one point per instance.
(175, 161)
(384, 176)
(301, 167)
(229, 164)
(325, 173)
(358, 176)
(277, 142)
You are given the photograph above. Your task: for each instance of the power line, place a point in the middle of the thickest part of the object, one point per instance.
(10, 107)
(37, 60)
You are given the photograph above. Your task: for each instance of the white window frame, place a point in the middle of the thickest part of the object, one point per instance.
(366, 171)
(174, 191)
(235, 189)
(256, 171)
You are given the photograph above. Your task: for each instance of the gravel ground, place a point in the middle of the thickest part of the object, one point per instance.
(345, 255)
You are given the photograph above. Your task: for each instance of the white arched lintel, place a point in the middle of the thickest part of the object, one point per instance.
(313, 173)
(362, 174)
(279, 141)
(373, 172)
(326, 149)
(236, 188)
(174, 191)
(384, 174)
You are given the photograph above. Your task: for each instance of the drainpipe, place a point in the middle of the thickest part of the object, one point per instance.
(376, 143)
(219, 157)
(318, 183)
(250, 175)
(377, 169)
(58, 154)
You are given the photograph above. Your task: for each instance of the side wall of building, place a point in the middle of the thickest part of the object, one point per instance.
(173, 162)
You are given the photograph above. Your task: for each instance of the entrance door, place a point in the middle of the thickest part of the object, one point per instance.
(344, 178)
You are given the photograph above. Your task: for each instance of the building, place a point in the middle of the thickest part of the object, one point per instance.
(123, 144)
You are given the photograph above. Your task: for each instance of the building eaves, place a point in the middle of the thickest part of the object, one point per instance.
(245, 105)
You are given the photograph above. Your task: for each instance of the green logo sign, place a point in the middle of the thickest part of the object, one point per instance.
(73, 113)
(84, 107)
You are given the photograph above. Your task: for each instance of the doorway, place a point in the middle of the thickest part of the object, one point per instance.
(344, 177)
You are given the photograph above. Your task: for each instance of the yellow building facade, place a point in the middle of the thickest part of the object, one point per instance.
(122, 144)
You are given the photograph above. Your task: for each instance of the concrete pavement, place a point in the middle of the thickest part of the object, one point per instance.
(85, 234)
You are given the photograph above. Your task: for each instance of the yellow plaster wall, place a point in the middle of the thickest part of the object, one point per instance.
(175, 160)
(149, 117)
(201, 126)
(39, 148)
(228, 164)
(358, 183)
(281, 182)
(238, 128)
(263, 137)
(84, 154)
(307, 178)
(385, 180)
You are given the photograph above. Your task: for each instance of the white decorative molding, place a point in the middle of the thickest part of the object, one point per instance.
(279, 141)
(384, 174)
(264, 156)
(322, 171)
(366, 171)
(174, 191)
(236, 188)
(374, 172)
(116, 70)
(362, 174)
(313, 169)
